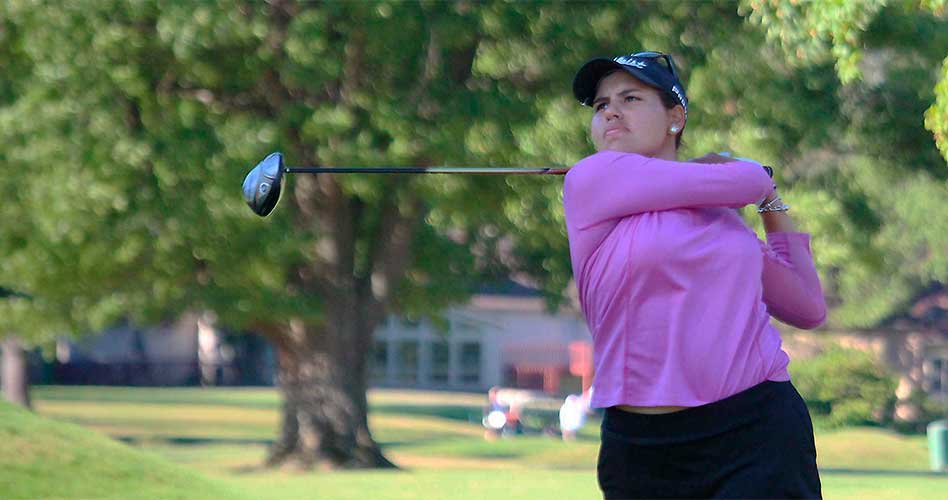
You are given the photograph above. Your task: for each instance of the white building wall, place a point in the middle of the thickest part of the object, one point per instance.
(507, 329)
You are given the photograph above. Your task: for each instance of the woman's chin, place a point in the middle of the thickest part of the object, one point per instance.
(613, 144)
(623, 147)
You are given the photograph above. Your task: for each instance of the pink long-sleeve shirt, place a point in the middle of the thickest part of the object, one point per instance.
(677, 291)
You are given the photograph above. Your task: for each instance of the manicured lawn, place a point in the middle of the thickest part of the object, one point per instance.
(43, 458)
(436, 437)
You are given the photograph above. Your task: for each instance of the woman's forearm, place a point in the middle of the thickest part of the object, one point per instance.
(777, 222)
(792, 289)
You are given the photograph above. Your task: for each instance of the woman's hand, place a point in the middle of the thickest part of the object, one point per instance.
(770, 198)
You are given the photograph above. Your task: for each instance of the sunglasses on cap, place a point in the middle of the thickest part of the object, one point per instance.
(669, 62)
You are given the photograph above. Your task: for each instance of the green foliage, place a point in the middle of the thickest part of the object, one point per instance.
(815, 32)
(845, 33)
(845, 386)
(148, 114)
(127, 126)
(878, 165)
(936, 118)
(901, 230)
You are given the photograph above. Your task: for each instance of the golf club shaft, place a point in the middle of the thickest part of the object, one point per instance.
(426, 170)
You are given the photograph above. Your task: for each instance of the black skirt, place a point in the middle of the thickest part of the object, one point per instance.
(754, 444)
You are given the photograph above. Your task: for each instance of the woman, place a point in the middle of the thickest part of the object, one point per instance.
(678, 293)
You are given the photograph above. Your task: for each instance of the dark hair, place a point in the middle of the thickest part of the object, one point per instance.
(669, 101)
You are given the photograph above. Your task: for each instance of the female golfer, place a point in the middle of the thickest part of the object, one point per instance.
(678, 293)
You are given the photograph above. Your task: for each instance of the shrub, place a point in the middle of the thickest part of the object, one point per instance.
(846, 387)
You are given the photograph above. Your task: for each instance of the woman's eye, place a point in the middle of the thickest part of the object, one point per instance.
(601, 106)
(630, 98)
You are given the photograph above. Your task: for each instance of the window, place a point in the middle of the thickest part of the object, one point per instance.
(406, 361)
(936, 375)
(440, 361)
(379, 361)
(470, 372)
(466, 325)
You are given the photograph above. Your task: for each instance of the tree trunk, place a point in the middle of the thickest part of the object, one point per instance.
(324, 419)
(322, 370)
(16, 386)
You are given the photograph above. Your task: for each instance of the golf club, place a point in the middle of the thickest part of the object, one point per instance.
(262, 184)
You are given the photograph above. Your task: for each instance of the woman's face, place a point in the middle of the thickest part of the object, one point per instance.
(629, 116)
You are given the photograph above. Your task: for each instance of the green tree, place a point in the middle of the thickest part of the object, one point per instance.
(884, 168)
(843, 33)
(25, 320)
(889, 174)
(144, 116)
(132, 123)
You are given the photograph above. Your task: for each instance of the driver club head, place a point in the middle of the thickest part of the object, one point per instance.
(262, 185)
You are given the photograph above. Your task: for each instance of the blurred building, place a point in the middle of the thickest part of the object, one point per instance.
(188, 351)
(503, 336)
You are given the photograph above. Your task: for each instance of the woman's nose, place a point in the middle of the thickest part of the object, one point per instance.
(612, 114)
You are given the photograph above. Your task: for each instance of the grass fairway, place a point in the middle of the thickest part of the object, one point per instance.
(437, 439)
(42, 458)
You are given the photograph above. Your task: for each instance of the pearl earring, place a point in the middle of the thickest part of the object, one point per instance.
(674, 129)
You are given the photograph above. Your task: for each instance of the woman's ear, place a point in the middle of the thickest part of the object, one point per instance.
(676, 119)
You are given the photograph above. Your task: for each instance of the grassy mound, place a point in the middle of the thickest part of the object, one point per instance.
(43, 458)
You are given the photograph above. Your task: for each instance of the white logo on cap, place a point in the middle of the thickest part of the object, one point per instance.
(631, 61)
(677, 92)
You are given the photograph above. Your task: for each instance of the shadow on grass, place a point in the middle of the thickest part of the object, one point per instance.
(193, 441)
(469, 452)
(155, 395)
(413, 442)
(457, 413)
(495, 455)
(882, 472)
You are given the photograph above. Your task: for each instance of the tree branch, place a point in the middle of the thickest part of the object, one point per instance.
(392, 256)
(429, 67)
